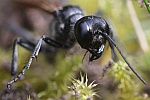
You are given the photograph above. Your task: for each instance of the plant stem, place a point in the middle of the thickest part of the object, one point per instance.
(137, 27)
(147, 5)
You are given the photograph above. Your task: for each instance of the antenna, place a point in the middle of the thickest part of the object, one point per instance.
(112, 42)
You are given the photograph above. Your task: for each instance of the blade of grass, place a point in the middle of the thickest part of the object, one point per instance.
(147, 5)
(137, 27)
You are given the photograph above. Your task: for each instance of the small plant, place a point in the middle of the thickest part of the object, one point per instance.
(123, 76)
(28, 97)
(56, 83)
(127, 86)
(80, 90)
(147, 4)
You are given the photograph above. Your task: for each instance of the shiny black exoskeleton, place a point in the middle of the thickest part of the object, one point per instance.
(71, 25)
(65, 19)
(88, 34)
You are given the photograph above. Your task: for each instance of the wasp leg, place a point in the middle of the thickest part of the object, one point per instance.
(106, 67)
(26, 44)
(113, 52)
(30, 46)
(52, 42)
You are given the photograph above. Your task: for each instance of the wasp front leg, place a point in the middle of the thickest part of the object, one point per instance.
(113, 54)
(30, 46)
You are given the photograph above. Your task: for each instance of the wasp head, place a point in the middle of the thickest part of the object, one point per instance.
(88, 34)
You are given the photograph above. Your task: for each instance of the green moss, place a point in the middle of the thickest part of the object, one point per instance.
(81, 90)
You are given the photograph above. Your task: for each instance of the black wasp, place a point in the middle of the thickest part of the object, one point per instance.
(71, 26)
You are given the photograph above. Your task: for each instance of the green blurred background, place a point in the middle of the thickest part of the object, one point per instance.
(122, 85)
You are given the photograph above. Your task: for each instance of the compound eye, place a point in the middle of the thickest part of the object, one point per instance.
(83, 34)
